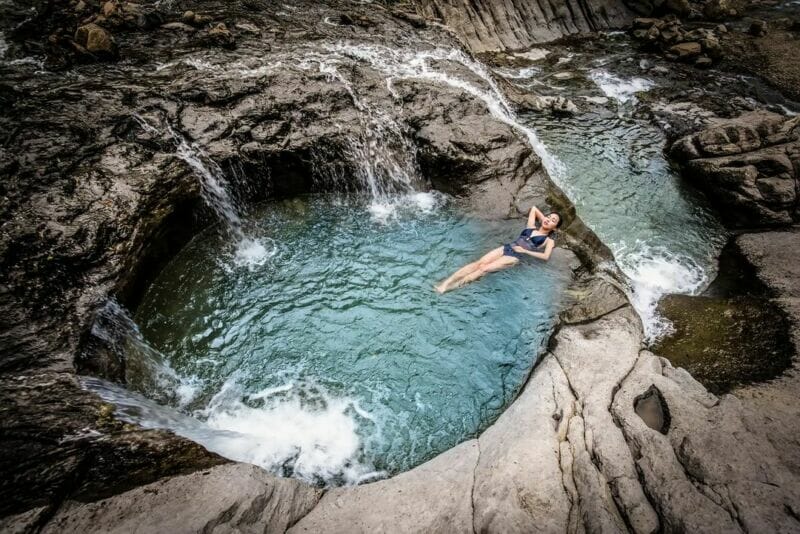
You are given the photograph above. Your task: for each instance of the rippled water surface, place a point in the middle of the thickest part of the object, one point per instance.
(334, 360)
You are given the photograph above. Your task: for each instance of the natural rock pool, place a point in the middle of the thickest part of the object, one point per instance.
(333, 360)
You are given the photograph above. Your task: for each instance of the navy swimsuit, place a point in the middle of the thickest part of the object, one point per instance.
(526, 241)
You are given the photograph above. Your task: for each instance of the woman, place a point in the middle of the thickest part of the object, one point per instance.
(533, 241)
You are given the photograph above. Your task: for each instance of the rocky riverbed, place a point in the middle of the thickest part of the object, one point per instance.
(605, 435)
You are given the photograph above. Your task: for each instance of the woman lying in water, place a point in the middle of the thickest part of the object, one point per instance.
(536, 240)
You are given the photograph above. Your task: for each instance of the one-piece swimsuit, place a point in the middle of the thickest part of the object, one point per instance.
(526, 241)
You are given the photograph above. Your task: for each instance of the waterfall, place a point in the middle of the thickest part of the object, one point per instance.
(117, 332)
(215, 189)
(419, 64)
(299, 429)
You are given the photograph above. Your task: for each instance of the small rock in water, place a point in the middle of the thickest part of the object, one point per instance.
(220, 35)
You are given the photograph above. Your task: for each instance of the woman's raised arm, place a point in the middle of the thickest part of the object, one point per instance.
(533, 215)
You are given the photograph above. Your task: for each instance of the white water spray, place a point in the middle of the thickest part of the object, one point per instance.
(215, 189)
(299, 429)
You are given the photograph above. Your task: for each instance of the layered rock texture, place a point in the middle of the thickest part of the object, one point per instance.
(488, 26)
(750, 166)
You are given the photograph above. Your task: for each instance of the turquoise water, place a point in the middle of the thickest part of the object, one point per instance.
(333, 360)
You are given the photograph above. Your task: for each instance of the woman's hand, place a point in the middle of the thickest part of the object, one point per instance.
(548, 249)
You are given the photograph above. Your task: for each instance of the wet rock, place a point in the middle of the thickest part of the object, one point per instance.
(703, 62)
(413, 19)
(758, 28)
(220, 36)
(720, 9)
(196, 19)
(78, 441)
(686, 51)
(97, 41)
(748, 164)
(590, 300)
(653, 409)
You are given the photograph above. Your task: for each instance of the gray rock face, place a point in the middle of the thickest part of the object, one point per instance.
(229, 498)
(434, 497)
(774, 254)
(748, 165)
(575, 452)
(487, 26)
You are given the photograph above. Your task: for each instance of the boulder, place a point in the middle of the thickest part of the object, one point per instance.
(97, 41)
(686, 50)
(227, 498)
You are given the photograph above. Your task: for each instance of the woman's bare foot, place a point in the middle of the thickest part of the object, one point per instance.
(441, 288)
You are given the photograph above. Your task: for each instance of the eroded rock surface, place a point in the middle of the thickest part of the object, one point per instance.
(749, 167)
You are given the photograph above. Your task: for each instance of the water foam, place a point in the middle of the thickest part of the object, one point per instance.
(653, 273)
(417, 203)
(619, 89)
(297, 429)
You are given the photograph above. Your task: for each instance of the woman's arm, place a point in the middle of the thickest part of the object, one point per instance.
(533, 215)
(548, 249)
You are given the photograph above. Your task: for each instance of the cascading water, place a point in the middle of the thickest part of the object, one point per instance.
(383, 157)
(398, 64)
(215, 189)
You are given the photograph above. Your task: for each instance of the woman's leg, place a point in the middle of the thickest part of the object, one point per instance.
(504, 262)
(487, 258)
